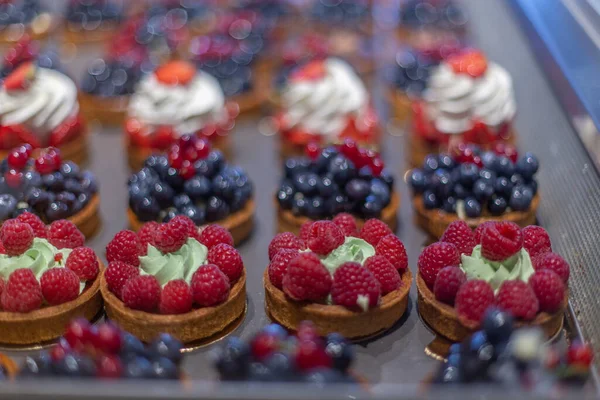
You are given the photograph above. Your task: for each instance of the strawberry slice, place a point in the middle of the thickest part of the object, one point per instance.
(175, 73)
(312, 71)
(20, 78)
(471, 63)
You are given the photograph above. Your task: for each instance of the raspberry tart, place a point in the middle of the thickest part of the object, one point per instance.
(47, 277)
(42, 183)
(25, 16)
(173, 278)
(333, 180)
(196, 182)
(324, 101)
(38, 106)
(92, 21)
(342, 279)
(475, 186)
(500, 264)
(467, 99)
(175, 100)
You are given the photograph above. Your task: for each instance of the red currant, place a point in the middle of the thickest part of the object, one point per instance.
(506, 149)
(350, 150)
(310, 355)
(202, 148)
(264, 345)
(109, 367)
(312, 150)
(18, 157)
(13, 178)
(44, 164)
(78, 333)
(377, 166)
(54, 154)
(175, 157)
(108, 339)
(187, 170)
(580, 354)
(28, 149)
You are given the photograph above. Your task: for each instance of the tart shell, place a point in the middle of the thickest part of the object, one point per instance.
(436, 221)
(443, 319)
(49, 323)
(108, 110)
(401, 105)
(288, 222)
(195, 325)
(239, 224)
(334, 318)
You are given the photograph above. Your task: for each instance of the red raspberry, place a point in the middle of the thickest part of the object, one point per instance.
(84, 263)
(548, 288)
(213, 235)
(393, 249)
(39, 228)
(263, 345)
(518, 298)
(22, 293)
(459, 234)
(304, 231)
(347, 224)
(501, 241)
(117, 274)
(142, 293)
(554, 262)
(385, 273)
(536, 240)
(2, 249)
(373, 230)
(285, 240)
(210, 286)
(187, 223)
(169, 237)
(353, 286)
(479, 230)
(2, 286)
(306, 278)
(64, 235)
(59, 285)
(176, 298)
(473, 299)
(324, 237)
(447, 283)
(228, 260)
(126, 247)
(435, 257)
(278, 266)
(16, 237)
(146, 236)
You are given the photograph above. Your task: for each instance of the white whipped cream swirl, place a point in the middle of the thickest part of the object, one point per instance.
(48, 102)
(188, 108)
(456, 100)
(323, 106)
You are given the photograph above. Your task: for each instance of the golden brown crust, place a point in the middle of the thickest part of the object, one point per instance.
(401, 105)
(195, 325)
(443, 319)
(108, 110)
(436, 221)
(49, 323)
(239, 224)
(288, 222)
(333, 318)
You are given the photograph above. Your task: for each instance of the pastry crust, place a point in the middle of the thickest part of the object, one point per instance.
(436, 221)
(334, 318)
(288, 222)
(443, 319)
(195, 325)
(103, 33)
(108, 110)
(49, 323)
(239, 224)
(401, 106)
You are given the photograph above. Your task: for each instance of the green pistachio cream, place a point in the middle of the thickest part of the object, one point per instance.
(476, 266)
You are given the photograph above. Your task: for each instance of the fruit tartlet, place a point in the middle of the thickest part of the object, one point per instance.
(196, 182)
(502, 356)
(436, 18)
(42, 183)
(47, 277)
(342, 16)
(324, 101)
(174, 100)
(342, 279)
(176, 279)
(467, 99)
(475, 186)
(105, 351)
(39, 106)
(334, 180)
(274, 355)
(92, 21)
(19, 17)
(500, 264)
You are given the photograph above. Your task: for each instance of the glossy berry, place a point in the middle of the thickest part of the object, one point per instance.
(501, 240)
(278, 266)
(536, 241)
(228, 260)
(355, 287)
(117, 274)
(16, 237)
(472, 300)
(345, 222)
(108, 338)
(263, 345)
(125, 247)
(435, 257)
(554, 262)
(447, 283)
(306, 278)
(142, 293)
(518, 298)
(209, 286)
(373, 231)
(285, 240)
(59, 285)
(460, 235)
(385, 273)
(497, 325)
(84, 263)
(549, 289)
(324, 237)
(175, 298)
(213, 235)
(22, 292)
(39, 228)
(580, 354)
(394, 251)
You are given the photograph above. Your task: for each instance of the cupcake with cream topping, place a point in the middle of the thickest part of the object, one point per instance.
(175, 100)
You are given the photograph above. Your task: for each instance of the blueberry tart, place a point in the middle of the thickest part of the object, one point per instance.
(48, 278)
(42, 183)
(475, 187)
(92, 21)
(193, 181)
(174, 278)
(342, 278)
(333, 180)
(19, 17)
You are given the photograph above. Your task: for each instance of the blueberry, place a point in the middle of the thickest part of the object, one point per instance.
(498, 325)
(449, 205)
(147, 209)
(204, 168)
(138, 368)
(132, 347)
(74, 366)
(387, 176)
(381, 190)
(73, 186)
(216, 209)
(137, 192)
(198, 188)
(430, 164)
(517, 180)
(66, 197)
(158, 163)
(445, 161)
(327, 154)
(487, 175)
(430, 200)
(503, 187)
(233, 359)
(365, 173)
(70, 170)
(497, 205)
(441, 183)
(533, 185)
(163, 194)
(275, 330)
(169, 214)
(478, 340)
(54, 181)
(217, 159)
(37, 198)
(8, 204)
(326, 187)
(57, 210)
(418, 180)
(454, 359)
(449, 374)
(144, 175)
(89, 182)
(357, 189)
(504, 166)
(520, 198)
(40, 365)
(342, 170)
(372, 207)
(167, 346)
(459, 191)
(321, 377)
(32, 179)
(259, 372)
(299, 204)
(282, 365)
(196, 214)
(527, 166)
(469, 173)
(483, 190)
(173, 179)
(163, 368)
(315, 207)
(472, 207)
(285, 195)
(181, 201)
(489, 158)
(340, 351)
(306, 183)
(337, 204)
(294, 166)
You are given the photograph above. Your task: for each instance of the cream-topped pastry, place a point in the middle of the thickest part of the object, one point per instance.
(467, 89)
(179, 96)
(322, 97)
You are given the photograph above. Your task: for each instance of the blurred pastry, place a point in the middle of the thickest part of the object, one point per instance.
(19, 17)
(92, 20)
